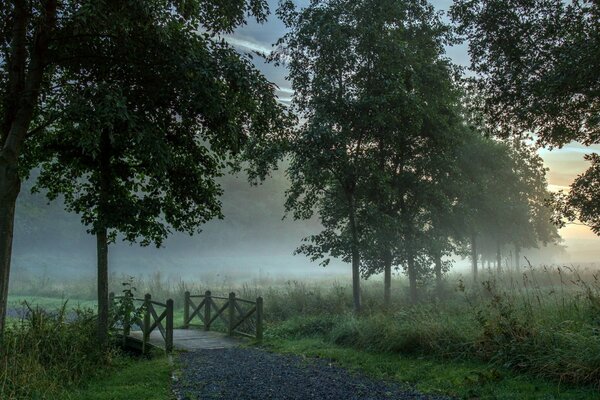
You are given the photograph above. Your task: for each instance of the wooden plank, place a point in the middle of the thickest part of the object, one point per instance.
(157, 321)
(244, 317)
(219, 312)
(169, 323)
(196, 312)
(259, 318)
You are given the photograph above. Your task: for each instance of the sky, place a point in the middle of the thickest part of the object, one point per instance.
(563, 164)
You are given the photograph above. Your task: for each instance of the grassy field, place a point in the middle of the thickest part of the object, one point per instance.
(528, 334)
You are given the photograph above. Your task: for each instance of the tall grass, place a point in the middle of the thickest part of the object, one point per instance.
(545, 321)
(44, 353)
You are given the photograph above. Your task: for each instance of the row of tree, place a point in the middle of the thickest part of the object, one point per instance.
(399, 171)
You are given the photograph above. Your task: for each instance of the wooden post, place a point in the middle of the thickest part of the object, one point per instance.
(169, 327)
(231, 306)
(259, 319)
(146, 327)
(186, 310)
(207, 305)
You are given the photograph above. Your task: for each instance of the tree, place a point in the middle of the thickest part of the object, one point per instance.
(537, 64)
(581, 203)
(503, 199)
(376, 96)
(130, 107)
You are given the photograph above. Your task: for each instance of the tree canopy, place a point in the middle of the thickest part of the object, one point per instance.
(536, 65)
(140, 106)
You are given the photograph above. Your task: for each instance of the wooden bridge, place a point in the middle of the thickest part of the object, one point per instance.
(151, 323)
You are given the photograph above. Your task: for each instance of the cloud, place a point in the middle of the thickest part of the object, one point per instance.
(248, 45)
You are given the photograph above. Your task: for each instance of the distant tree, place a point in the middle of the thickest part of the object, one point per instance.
(142, 113)
(376, 96)
(504, 199)
(537, 64)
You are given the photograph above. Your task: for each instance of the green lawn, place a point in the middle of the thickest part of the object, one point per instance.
(129, 379)
(467, 380)
(49, 303)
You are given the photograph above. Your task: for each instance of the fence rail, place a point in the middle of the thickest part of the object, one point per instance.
(231, 312)
(150, 321)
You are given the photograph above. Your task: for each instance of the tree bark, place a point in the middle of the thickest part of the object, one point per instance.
(412, 280)
(102, 236)
(387, 279)
(474, 256)
(102, 252)
(10, 185)
(355, 258)
(23, 88)
(438, 273)
(517, 258)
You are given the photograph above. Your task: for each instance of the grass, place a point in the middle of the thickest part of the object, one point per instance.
(49, 303)
(129, 379)
(534, 332)
(462, 379)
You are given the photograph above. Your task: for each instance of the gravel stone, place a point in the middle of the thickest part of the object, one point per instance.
(248, 374)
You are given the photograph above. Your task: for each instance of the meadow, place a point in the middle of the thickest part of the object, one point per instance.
(528, 334)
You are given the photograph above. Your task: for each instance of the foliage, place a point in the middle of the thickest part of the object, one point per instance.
(376, 99)
(46, 352)
(156, 137)
(124, 310)
(536, 64)
(581, 203)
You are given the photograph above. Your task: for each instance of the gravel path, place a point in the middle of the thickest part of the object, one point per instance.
(248, 374)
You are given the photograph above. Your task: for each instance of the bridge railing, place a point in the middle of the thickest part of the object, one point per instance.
(150, 320)
(239, 316)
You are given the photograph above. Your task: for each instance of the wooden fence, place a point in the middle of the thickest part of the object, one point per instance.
(150, 320)
(239, 316)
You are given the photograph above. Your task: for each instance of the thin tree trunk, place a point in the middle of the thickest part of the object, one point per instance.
(355, 258)
(10, 185)
(438, 274)
(387, 279)
(412, 280)
(102, 251)
(498, 258)
(474, 256)
(517, 258)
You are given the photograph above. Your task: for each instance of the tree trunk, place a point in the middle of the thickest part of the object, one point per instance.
(438, 274)
(517, 258)
(10, 185)
(387, 279)
(355, 258)
(23, 84)
(474, 256)
(102, 236)
(412, 280)
(102, 250)
(498, 258)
